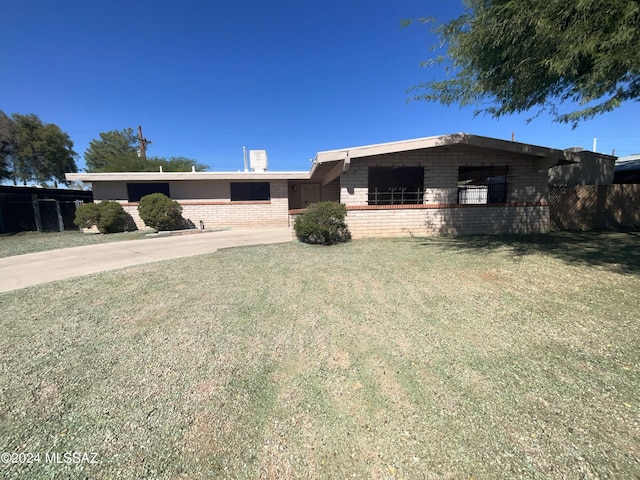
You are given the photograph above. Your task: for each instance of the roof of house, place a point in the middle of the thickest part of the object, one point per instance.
(168, 176)
(326, 162)
(629, 163)
(329, 164)
(438, 141)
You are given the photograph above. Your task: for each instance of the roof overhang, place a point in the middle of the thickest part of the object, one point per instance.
(328, 165)
(178, 176)
(543, 156)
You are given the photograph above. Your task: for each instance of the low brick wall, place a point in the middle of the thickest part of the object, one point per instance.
(430, 220)
(594, 207)
(227, 214)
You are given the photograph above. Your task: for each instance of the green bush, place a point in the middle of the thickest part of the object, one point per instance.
(87, 215)
(323, 223)
(160, 212)
(107, 215)
(112, 217)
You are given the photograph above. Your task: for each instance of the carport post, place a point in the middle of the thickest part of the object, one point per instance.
(60, 221)
(36, 212)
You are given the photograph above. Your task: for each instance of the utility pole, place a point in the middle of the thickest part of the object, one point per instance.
(143, 144)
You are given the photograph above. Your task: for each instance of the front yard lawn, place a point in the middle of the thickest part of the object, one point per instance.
(486, 357)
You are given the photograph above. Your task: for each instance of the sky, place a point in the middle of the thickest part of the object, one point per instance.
(293, 77)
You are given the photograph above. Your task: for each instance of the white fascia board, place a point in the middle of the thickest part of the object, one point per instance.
(438, 141)
(177, 176)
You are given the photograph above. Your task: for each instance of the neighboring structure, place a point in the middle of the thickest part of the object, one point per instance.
(627, 169)
(450, 184)
(588, 168)
(39, 209)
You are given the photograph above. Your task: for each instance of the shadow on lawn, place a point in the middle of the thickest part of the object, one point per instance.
(619, 251)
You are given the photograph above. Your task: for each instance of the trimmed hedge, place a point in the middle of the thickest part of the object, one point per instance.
(160, 212)
(108, 216)
(87, 215)
(323, 223)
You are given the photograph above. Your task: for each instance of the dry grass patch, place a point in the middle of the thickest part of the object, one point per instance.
(502, 357)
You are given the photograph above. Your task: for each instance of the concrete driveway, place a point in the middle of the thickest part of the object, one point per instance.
(42, 267)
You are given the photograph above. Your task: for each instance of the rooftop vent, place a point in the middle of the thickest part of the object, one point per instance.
(258, 160)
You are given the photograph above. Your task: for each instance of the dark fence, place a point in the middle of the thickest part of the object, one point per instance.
(39, 209)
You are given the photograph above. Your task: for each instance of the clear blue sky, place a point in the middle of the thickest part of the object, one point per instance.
(205, 78)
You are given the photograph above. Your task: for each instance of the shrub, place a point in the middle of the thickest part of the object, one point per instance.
(112, 217)
(87, 215)
(160, 212)
(323, 223)
(107, 215)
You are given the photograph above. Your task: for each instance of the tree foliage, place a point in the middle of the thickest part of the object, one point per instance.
(6, 145)
(173, 164)
(32, 151)
(519, 55)
(117, 151)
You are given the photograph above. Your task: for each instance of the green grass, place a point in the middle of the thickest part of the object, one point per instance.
(485, 357)
(31, 242)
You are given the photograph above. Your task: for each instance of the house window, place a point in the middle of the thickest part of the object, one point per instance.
(482, 184)
(396, 186)
(250, 191)
(135, 191)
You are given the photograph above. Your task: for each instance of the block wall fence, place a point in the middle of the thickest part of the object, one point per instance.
(595, 207)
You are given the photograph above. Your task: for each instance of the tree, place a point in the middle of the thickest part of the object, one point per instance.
(6, 145)
(175, 164)
(520, 55)
(116, 151)
(34, 151)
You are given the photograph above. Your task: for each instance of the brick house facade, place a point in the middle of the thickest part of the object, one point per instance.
(452, 184)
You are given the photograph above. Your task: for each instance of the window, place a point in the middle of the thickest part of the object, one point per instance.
(135, 191)
(396, 186)
(250, 191)
(482, 184)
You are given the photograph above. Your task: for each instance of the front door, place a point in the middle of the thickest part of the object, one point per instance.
(310, 194)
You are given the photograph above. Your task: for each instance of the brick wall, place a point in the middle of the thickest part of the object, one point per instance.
(214, 214)
(469, 220)
(526, 210)
(423, 220)
(526, 183)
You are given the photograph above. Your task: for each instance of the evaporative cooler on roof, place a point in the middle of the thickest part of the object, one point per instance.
(258, 160)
